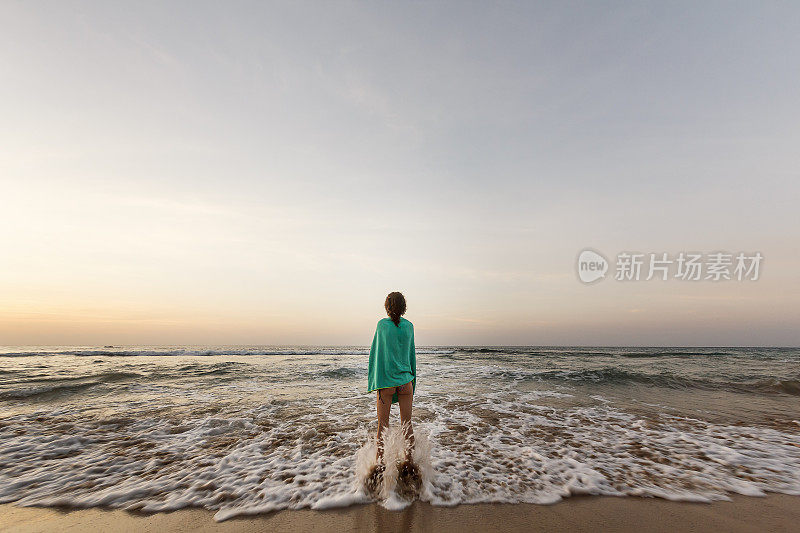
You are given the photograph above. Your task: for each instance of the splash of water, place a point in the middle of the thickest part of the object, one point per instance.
(391, 493)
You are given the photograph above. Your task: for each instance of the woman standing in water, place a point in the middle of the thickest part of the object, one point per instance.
(393, 374)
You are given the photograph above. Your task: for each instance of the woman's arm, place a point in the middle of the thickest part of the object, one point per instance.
(413, 357)
(372, 370)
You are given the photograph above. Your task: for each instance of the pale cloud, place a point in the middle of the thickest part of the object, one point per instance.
(211, 173)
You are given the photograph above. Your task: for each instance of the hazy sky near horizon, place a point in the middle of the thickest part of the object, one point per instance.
(265, 172)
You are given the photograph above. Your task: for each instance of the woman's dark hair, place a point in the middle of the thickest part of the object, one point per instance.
(395, 306)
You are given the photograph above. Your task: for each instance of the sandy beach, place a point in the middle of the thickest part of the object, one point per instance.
(774, 513)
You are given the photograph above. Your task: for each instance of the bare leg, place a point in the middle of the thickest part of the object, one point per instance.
(406, 397)
(384, 404)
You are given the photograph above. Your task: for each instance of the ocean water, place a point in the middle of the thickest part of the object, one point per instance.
(242, 430)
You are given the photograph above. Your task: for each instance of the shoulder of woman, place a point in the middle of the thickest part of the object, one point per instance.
(409, 322)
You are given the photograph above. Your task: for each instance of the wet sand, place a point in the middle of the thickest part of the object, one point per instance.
(772, 513)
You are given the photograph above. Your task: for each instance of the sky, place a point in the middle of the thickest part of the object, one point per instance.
(266, 172)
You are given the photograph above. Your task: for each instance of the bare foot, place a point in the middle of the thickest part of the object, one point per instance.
(374, 480)
(409, 479)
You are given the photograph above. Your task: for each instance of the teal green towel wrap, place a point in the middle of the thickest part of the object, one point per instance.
(392, 358)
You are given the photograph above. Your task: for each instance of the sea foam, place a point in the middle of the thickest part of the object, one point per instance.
(255, 434)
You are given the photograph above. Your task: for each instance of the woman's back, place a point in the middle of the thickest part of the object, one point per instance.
(399, 336)
(392, 358)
